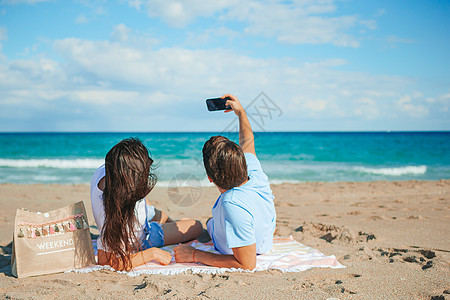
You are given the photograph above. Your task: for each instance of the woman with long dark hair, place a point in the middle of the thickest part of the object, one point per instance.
(131, 230)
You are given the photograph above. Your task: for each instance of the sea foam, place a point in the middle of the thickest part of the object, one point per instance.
(81, 163)
(414, 170)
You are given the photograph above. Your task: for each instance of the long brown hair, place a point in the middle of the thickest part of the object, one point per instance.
(128, 179)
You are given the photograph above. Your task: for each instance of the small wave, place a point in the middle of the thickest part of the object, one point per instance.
(415, 170)
(84, 163)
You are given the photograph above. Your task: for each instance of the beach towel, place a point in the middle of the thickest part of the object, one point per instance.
(287, 255)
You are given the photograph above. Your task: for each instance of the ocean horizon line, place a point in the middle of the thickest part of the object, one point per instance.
(202, 132)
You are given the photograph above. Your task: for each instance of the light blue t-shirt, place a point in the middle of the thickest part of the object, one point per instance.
(245, 215)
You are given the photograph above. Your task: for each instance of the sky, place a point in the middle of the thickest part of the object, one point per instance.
(149, 65)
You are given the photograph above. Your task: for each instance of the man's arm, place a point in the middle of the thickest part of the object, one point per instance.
(246, 138)
(243, 257)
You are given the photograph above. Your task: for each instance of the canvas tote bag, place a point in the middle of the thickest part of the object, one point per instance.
(51, 242)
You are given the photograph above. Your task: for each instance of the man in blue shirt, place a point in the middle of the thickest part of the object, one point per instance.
(243, 217)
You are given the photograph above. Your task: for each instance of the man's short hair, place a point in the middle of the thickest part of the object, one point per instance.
(224, 162)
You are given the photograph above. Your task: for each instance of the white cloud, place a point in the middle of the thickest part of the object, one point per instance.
(415, 110)
(446, 96)
(211, 35)
(393, 41)
(181, 13)
(94, 9)
(404, 100)
(367, 108)
(316, 106)
(120, 33)
(135, 4)
(370, 24)
(335, 62)
(443, 102)
(417, 94)
(380, 12)
(297, 22)
(28, 74)
(165, 68)
(295, 25)
(104, 97)
(100, 10)
(23, 1)
(366, 101)
(3, 34)
(81, 19)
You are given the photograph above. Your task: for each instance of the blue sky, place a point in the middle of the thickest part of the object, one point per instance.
(149, 65)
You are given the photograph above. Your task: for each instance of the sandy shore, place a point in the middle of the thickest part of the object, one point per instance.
(384, 232)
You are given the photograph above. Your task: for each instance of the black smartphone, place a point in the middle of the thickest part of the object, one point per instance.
(217, 104)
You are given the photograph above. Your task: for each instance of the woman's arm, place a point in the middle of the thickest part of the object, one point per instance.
(137, 259)
(243, 257)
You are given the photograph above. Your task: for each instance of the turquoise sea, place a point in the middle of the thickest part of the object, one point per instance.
(285, 156)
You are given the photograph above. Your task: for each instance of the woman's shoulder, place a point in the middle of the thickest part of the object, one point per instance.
(97, 176)
(96, 193)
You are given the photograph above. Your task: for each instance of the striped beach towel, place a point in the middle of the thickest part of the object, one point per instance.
(287, 255)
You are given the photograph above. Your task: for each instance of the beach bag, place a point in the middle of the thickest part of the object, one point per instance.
(51, 242)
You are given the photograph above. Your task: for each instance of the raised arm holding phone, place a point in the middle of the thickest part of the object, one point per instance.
(244, 216)
(246, 138)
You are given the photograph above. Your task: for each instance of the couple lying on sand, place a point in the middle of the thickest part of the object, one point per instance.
(131, 230)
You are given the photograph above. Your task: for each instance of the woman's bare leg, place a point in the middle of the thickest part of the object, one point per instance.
(181, 231)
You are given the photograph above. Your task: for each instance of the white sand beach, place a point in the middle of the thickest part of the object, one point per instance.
(393, 238)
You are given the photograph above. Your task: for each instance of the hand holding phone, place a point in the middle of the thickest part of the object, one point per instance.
(214, 104)
(234, 104)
